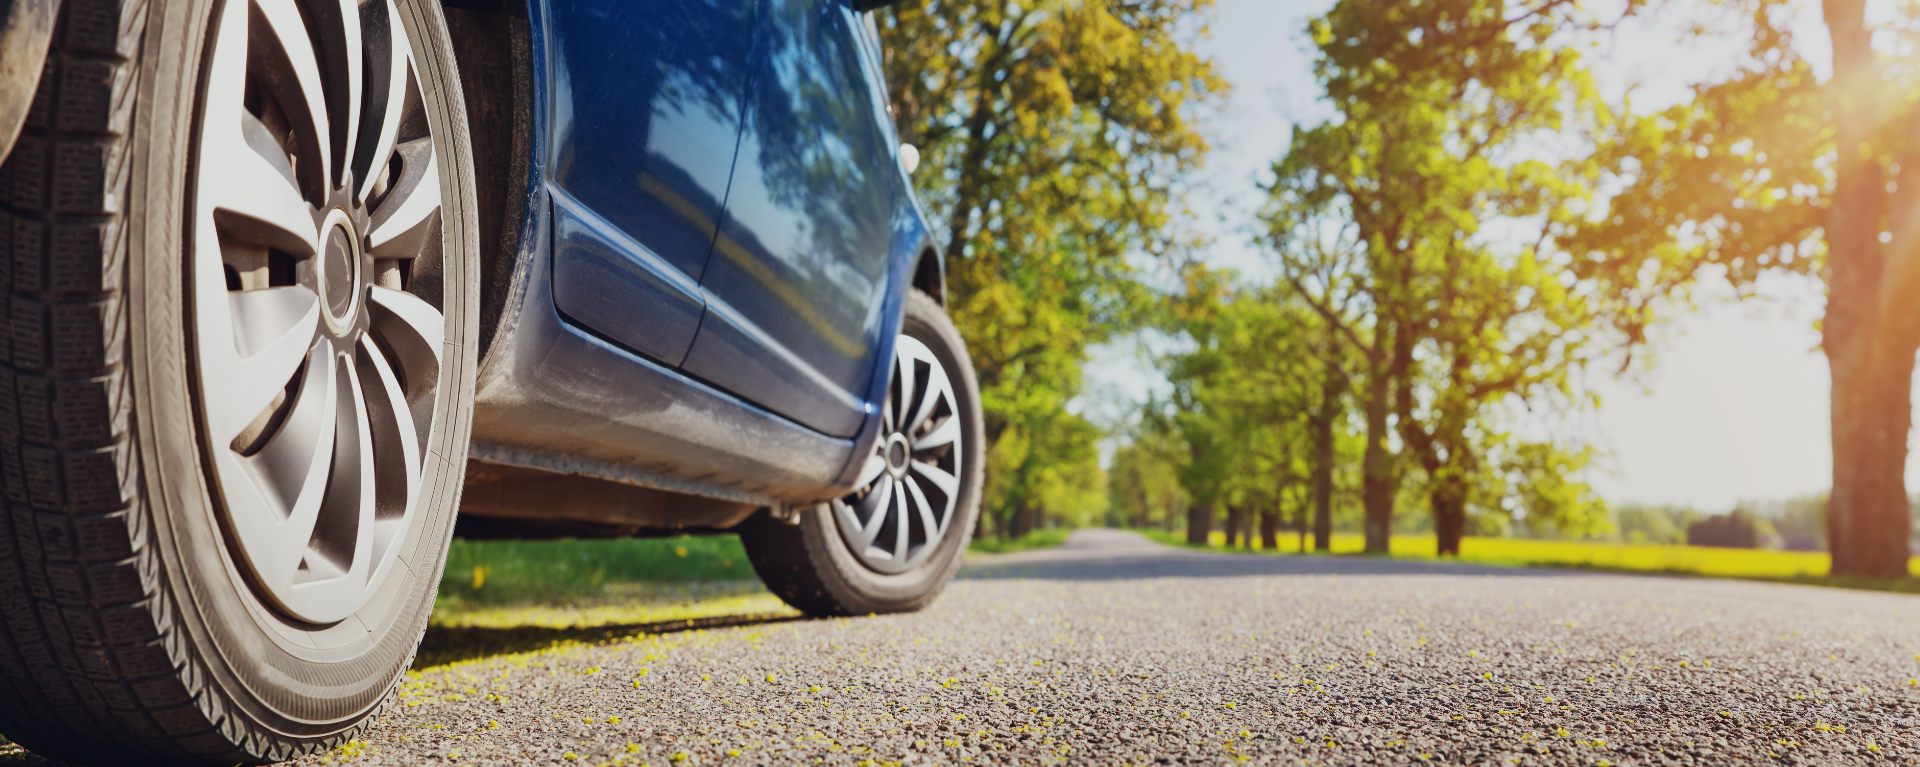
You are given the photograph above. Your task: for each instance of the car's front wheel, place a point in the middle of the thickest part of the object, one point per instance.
(235, 408)
(894, 542)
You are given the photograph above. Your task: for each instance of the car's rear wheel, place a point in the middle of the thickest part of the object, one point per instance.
(235, 409)
(894, 542)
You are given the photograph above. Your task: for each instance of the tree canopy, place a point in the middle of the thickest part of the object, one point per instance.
(1054, 136)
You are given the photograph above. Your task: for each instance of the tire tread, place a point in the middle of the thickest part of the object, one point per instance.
(91, 666)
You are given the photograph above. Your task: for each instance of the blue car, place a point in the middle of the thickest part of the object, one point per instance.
(299, 290)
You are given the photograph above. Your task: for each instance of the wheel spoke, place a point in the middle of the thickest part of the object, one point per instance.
(904, 378)
(900, 527)
(944, 434)
(273, 332)
(294, 460)
(933, 526)
(415, 195)
(939, 389)
(255, 197)
(871, 469)
(300, 89)
(415, 331)
(877, 505)
(274, 511)
(337, 25)
(396, 445)
(386, 77)
(948, 484)
(337, 546)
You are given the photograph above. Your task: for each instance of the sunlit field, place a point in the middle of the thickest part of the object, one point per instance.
(1639, 557)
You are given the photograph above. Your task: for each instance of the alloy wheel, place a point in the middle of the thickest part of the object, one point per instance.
(316, 282)
(904, 506)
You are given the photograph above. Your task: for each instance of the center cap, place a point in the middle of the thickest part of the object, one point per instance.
(897, 454)
(339, 270)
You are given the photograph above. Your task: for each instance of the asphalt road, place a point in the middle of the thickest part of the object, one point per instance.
(1113, 650)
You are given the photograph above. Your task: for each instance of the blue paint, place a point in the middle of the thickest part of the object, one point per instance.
(718, 245)
(803, 252)
(645, 118)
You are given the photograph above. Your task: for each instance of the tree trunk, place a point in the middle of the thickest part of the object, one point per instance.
(1199, 523)
(1449, 516)
(1022, 521)
(1323, 459)
(1868, 340)
(1236, 520)
(1270, 528)
(1867, 515)
(1379, 483)
(1300, 521)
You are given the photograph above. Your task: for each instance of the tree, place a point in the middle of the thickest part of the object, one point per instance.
(1144, 485)
(1241, 396)
(1054, 135)
(1770, 170)
(1375, 218)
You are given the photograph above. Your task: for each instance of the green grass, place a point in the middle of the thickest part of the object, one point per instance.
(1805, 567)
(564, 571)
(1038, 539)
(516, 596)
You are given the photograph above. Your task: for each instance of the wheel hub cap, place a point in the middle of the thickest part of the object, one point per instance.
(340, 271)
(897, 455)
(316, 200)
(910, 485)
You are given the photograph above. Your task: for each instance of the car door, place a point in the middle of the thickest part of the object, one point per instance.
(797, 277)
(646, 104)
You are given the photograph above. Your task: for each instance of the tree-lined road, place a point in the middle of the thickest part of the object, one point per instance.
(1116, 650)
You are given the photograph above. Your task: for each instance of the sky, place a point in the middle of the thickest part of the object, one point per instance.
(1735, 407)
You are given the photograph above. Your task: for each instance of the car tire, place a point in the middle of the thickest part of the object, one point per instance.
(871, 551)
(232, 438)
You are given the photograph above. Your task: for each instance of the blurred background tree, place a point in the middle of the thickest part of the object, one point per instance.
(1241, 399)
(1055, 136)
(1769, 169)
(1143, 483)
(1375, 221)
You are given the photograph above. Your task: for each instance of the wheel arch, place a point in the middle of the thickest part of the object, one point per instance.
(930, 274)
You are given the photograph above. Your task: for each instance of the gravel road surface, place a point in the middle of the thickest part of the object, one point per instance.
(1114, 650)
